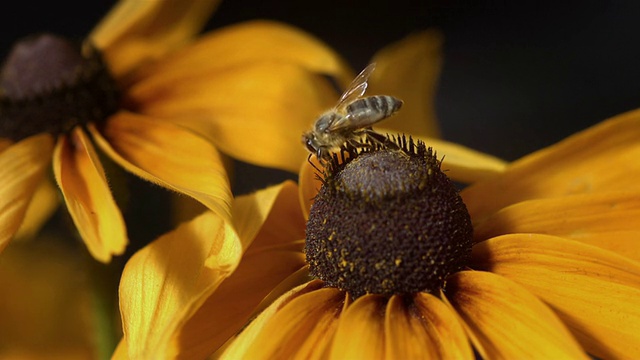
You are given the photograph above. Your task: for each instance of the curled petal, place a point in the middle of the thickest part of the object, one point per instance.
(275, 248)
(607, 220)
(164, 284)
(256, 112)
(299, 324)
(507, 322)
(135, 32)
(409, 69)
(167, 155)
(599, 159)
(23, 166)
(85, 190)
(593, 291)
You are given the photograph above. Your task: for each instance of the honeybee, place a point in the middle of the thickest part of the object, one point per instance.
(350, 121)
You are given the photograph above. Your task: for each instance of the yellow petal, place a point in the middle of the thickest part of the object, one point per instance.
(299, 324)
(599, 159)
(245, 44)
(409, 69)
(44, 202)
(608, 220)
(85, 190)
(594, 291)
(135, 32)
(361, 330)
(309, 184)
(274, 254)
(507, 322)
(427, 329)
(167, 155)
(164, 283)
(256, 112)
(23, 165)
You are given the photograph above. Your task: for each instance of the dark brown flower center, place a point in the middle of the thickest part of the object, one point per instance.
(49, 84)
(388, 221)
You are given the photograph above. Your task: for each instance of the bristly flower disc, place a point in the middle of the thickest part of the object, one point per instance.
(387, 221)
(50, 85)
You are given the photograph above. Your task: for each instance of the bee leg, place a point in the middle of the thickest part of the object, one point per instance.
(377, 138)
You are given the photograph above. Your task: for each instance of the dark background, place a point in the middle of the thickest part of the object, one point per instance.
(515, 79)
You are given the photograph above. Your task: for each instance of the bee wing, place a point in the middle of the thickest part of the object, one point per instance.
(357, 87)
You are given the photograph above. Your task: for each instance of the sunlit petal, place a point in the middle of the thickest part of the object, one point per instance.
(164, 283)
(23, 166)
(594, 291)
(274, 254)
(598, 159)
(361, 330)
(85, 190)
(135, 32)
(245, 44)
(169, 156)
(44, 202)
(425, 330)
(256, 112)
(507, 322)
(299, 324)
(409, 69)
(608, 220)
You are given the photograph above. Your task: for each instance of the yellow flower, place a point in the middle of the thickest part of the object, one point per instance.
(137, 79)
(553, 270)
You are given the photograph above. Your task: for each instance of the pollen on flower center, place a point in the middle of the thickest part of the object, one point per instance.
(388, 221)
(49, 84)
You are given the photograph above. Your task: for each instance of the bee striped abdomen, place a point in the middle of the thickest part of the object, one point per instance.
(372, 109)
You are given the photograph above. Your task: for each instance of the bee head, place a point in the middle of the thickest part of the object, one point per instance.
(309, 140)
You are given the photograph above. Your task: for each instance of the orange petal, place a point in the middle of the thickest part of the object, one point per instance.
(164, 283)
(507, 322)
(299, 324)
(599, 159)
(255, 112)
(274, 254)
(309, 184)
(135, 32)
(425, 330)
(361, 330)
(245, 44)
(593, 291)
(44, 202)
(167, 155)
(608, 220)
(23, 165)
(409, 69)
(86, 193)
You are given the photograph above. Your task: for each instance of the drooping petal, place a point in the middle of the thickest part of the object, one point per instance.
(298, 325)
(599, 159)
(425, 330)
(44, 202)
(85, 190)
(256, 112)
(23, 166)
(164, 283)
(245, 44)
(607, 220)
(409, 69)
(167, 155)
(135, 32)
(274, 254)
(594, 292)
(507, 322)
(361, 330)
